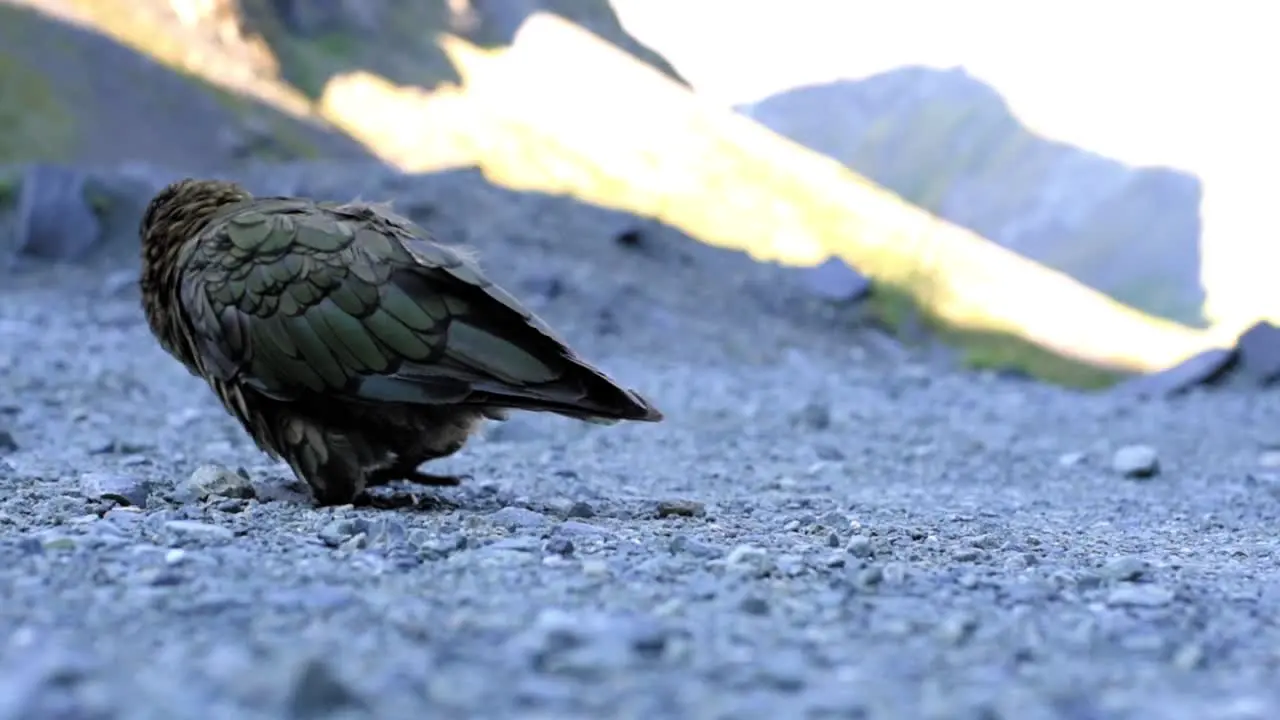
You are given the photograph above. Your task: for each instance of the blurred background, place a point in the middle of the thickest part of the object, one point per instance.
(1080, 180)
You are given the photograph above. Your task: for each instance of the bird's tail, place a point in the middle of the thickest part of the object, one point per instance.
(587, 395)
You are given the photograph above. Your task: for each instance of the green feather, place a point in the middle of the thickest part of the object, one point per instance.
(501, 358)
(421, 315)
(314, 351)
(247, 230)
(349, 338)
(399, 338)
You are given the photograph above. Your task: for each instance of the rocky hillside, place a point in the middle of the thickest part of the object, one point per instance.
(205, 85)
(69, 93)
(947, 142)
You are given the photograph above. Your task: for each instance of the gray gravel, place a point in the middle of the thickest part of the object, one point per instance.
(823, 528)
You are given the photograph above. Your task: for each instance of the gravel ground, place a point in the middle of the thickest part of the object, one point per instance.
(824, 527)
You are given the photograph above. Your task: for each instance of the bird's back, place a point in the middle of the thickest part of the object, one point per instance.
(298, 299)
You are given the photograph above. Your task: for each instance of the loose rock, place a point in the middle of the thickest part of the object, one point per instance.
(750, 559)
(318, 693)
(515, 518)
(55, 218)
(1136, 461)
(194, 529)
(216, 481)
(834, 280)
(1126, 568)
(1140, 596)
(337, 532)
(859, 546)
(681, 508)
(124, 489)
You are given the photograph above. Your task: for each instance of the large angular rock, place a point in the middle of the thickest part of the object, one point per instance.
(948, 143)
(1259, 349)
(1254, 362)
(1205, 369)
(53, 218)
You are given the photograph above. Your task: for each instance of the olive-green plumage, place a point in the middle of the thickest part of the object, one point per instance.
(344, 340)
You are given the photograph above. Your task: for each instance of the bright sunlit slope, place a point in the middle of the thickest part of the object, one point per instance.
(1146, 83)
(562, 111)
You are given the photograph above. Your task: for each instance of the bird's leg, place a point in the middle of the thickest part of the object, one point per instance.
(406, 462)
(333, 461)
(408, 470)
(333, 473)
(433, 479)
(405, 470)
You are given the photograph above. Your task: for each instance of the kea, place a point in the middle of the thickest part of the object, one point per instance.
(346, 341)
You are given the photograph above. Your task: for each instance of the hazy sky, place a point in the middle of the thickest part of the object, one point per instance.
(1190, 85)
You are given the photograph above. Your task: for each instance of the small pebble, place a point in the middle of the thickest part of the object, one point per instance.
(681, 508)
(319, 693)
(595, 567)
(834, 520)
(829, 453)
(1016, 562)
(870, 576)
(985, 542)
(231, 505)
(696, 548)
(749, 559)
(559, 545)
(1188, 657)
(519, 544)
(387, 531)
(337, 532)
(515, 518)
(815, 415)
(124, 515)
(1125, 568)
(193, 528)
(895, 573)
(1140, 596)
(1136, 461)
(217, 481)
(355, 543)
(121, 488)
(1071, 459)
(577, 528)
(859, 546)
(958, 628)
(58, 542)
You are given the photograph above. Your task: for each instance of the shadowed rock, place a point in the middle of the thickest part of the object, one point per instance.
(55, 216)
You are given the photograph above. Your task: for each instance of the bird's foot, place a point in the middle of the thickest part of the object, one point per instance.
(401, 501)
(386, 476)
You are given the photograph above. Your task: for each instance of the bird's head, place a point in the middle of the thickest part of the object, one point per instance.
(174, 215)
(179, 211)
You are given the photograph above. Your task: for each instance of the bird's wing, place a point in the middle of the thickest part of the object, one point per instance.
(296, 299)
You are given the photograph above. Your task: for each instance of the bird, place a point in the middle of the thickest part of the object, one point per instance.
(345, 340)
